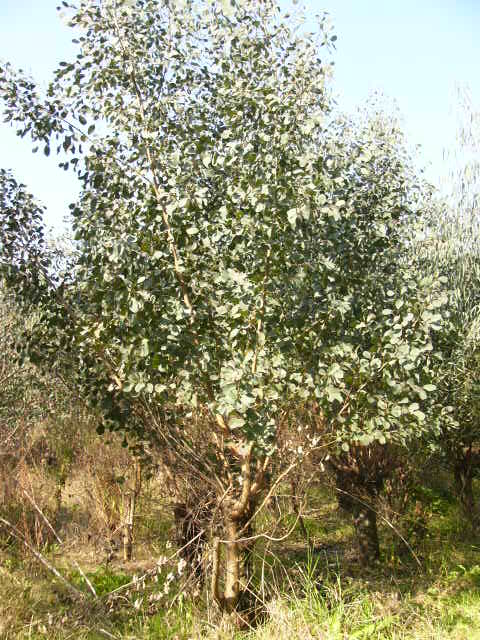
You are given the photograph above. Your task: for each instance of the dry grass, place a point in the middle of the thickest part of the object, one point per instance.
(316, 598)
(323, 595)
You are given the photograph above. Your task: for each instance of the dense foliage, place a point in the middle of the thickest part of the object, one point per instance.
(240, 250)
(448, 248)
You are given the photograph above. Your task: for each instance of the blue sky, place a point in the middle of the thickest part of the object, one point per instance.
(414, 51)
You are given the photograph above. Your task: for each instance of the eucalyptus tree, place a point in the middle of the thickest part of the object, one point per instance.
(238, 250)
(369, 338)
(192, 127)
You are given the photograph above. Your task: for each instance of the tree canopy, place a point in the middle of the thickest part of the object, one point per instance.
(239, 247)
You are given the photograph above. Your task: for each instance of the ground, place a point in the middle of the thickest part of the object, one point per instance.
(302, 592)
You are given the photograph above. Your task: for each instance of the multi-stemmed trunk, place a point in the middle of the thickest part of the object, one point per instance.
(237, 512)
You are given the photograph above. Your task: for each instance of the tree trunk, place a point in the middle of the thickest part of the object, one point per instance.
(233, 557)
(130, 507)
(364, 517)
(463, 473)
(365, 523)
(235, 600)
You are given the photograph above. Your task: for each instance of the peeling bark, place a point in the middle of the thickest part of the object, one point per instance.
(234, 599)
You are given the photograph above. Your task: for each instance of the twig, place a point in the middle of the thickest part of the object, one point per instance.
(365, 504)
(107, 634)
(151, 572)
(16, 534)
(43, 516)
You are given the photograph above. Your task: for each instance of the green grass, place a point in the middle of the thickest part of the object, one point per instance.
(305, 595)
(104, 580)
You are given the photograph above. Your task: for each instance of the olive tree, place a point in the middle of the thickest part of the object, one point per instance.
(16, 382)
(449, 249)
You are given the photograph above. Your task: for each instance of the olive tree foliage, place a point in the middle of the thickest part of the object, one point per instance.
(449, 249)
(238, 250)
(23, 392)
(16, 381)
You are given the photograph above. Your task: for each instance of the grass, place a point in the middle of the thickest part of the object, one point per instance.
(321, 594)
(103, 580)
